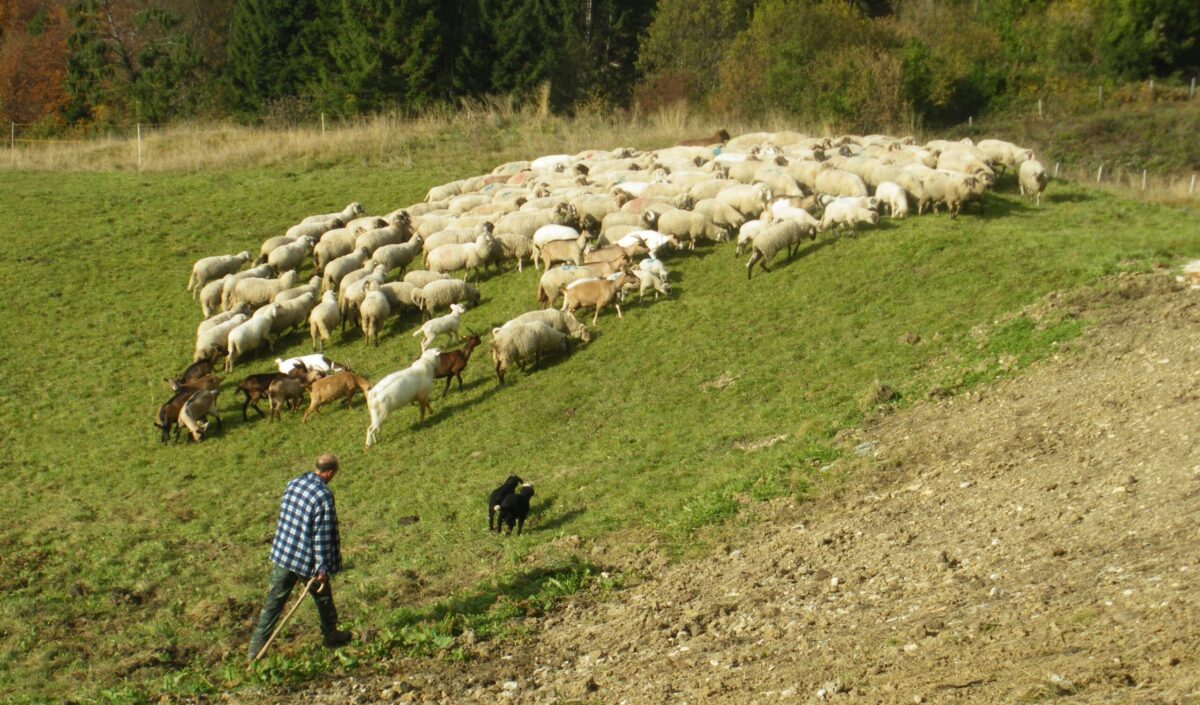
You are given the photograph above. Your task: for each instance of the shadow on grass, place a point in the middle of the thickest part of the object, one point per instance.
(804, 251)
(1068, 197)
(519, 587)
(556, 522)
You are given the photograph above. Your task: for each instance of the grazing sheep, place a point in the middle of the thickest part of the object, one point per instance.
(497, 496)
(335, 386)
(288, 391)
(216, 339)
(519, 344)
(422, 278)
(398, 256)
(395, 233)
(451, 258)
(1004, 154)
(457, 236)
(441, 294)
(444, 192)
(399, 296)
(315, 229)
(560, 321)
(258, 291)
(598, 293)
(324, 318)
(249, 335)
(346, 214)
(334, 244)
(312, 287)
(747, 232)
(292, 313)
(841, 214)
(290, 256)
(210, 296)
(801, 209)
(514, 508)
(229, 282)
(1032, 179)
(749, 200)
(837, 182)
(654, 266)
(514, 227)
(685, 226)
(650, 280)
(447, 324)
(367, 222)
(410, 385)
(953, 189)
(210, 268)
(194, 412)
(373, 311)
(721, 214)
(894, 197)
(340, 267)
(220, 318)
(786, 234)
(354, 287)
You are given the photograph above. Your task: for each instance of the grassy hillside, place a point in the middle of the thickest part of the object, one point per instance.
(131, 569)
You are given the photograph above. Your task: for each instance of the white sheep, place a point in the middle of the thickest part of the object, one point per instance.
(258, 291)
(521, 343)
(685, 226)
(340, 267)
(323, 319)
(251, 334)
(373, 311)
(444, 192)
(1004, 154)
(747, 232)
(215, 340)
(229, 282)
(837, 182)
(650, 280)
(207, 269)
(720, 213)
(784, 235)
(894, 197)
(447, 324)
(748, 199)
(345, 215)
(421, 278)
(392, 234)
(334, 244)
(408, 386)
(655, 267)
(210, 295)
(451, 258)
(220, 318)
(316, 362)
(847, 214)
(291, 255)
(315, 229)
(560, 321)
(292, 313)
(312, 287)
(1032, 179)
(353, 292)
(398, 256)
(441, 294)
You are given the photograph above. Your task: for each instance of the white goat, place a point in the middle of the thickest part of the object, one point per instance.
(447, 324)
(410, 385)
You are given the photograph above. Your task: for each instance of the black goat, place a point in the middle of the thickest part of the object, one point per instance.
(514, 508)
(497, 496)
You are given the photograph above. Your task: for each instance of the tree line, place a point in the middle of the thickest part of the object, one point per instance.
(866, 63)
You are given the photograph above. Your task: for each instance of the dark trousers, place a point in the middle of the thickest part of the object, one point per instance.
(282, 581)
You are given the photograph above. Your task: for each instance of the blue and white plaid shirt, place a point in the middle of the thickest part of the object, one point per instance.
(307, 540)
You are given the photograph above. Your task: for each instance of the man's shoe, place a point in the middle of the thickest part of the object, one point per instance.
(337, 638)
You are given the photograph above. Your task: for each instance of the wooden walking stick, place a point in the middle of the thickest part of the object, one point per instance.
(286, 617)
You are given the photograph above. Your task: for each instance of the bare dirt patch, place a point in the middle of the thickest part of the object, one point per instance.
(1033, 541)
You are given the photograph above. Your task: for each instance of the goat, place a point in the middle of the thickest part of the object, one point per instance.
(335, 386)
(255, 387)
(196, 370)
(168, 414)
(514, 508)
(497, 496)
(451, 363)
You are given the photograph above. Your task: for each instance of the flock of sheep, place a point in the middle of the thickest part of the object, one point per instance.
(598, 223)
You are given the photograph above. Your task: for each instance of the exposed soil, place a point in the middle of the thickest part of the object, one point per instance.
(1034, 541)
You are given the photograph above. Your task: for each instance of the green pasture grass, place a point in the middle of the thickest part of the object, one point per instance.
(131, 569)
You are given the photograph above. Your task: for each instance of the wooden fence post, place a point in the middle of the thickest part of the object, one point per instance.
(1143, 179)
(1039, 108)
(12, 142)
(139, 130)
(1099, 173)
(1056, 169)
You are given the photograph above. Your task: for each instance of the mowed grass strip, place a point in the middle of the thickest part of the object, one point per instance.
(126, 563)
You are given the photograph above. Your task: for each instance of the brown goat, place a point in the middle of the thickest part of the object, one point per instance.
(255, 387)
(451, 363)
(288, 391)
(598, 293)
(168, 414)
(196, 370)
(335, 386)
(720, 136)
(208, 381)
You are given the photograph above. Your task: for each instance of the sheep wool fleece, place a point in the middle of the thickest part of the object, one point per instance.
(306, 543)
